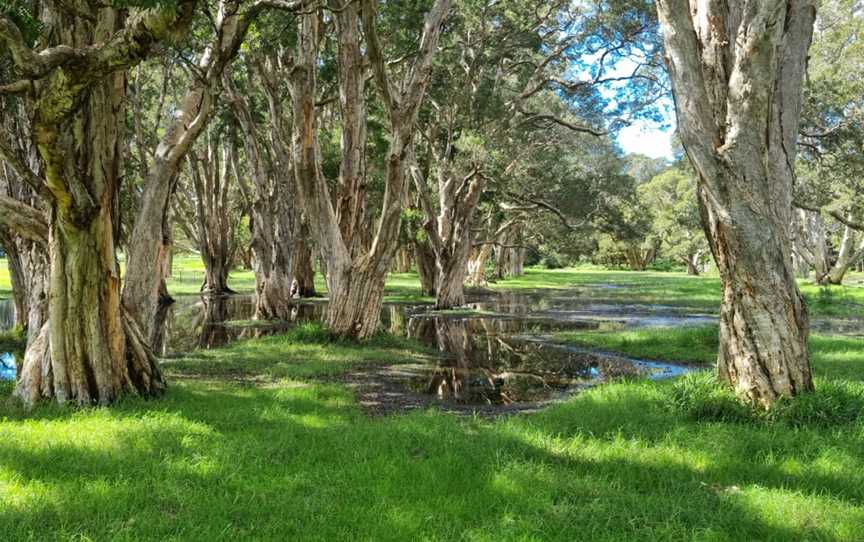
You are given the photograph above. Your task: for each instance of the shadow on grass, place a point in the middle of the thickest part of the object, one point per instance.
(214, 461)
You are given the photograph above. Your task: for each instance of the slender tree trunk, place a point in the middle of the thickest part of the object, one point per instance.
(356, 280)
(403, 260)
(692, 262)
(28, 271)
(426, 268)
(351, 191)
(144, 288)
(737, 72)
(847, 257)
(215, 219)
(304, 270)
(477, 265)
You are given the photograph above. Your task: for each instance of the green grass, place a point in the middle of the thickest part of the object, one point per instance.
(5, 281)
(188, 274)
(697, 344)
(278, 456)
(250, 443)
(304, 351)
(672, 288)
(833, 356)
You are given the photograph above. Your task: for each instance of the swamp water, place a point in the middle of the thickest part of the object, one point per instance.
(496, 355)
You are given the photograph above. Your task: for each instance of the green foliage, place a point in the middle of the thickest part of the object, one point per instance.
(20, 13)
(13, 340)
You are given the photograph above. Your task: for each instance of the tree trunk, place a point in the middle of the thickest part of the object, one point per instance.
(737, 75)
(847, 257)
(426, 269)
(210, 173)
(355, 279)
(692, 262)
(90, 351)
(403, 260)
(356, 299)
(273, 218)
(26, 241)
(304, 270)
(28, 271)
(477, 265)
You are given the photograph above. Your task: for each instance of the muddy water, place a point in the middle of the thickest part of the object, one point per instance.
(496, 353)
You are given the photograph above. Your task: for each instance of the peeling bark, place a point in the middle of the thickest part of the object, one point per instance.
(355, 280)
(736, 70)
(273, 218)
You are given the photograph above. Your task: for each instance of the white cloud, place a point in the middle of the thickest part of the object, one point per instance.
(645, 139)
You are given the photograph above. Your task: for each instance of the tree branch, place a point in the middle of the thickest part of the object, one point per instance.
(24, 220)
(836, 215)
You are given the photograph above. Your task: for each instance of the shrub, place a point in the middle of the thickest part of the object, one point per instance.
(552, 261)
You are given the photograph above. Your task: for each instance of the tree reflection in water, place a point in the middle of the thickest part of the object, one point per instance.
(488, 363)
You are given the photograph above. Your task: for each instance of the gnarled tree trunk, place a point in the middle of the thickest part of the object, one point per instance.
(736, 70)
(90, 351)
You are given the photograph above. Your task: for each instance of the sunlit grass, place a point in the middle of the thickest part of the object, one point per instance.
(250, 443)
(296, 459)
(836, 356)
(5, 281)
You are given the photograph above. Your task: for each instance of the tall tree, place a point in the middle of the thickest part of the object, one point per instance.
(90, 350)
(355, 280)
(737, 70)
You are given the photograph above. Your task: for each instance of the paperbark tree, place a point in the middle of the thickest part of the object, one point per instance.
(450, 233)
(274, 218)
(736, 70)
(216, 217)
(144, 284)
(90, 351)
(23, 225)
(851, 252)
(356, 280)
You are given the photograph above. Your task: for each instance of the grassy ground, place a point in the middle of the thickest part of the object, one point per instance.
(275, 455)
(834, 357)
(188, 273)
(642, 287)
(250, 443)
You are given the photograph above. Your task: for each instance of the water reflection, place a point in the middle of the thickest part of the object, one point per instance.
(7, 314)
(489, 361)
(495, 355)
(7, 366)
(213, 321)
